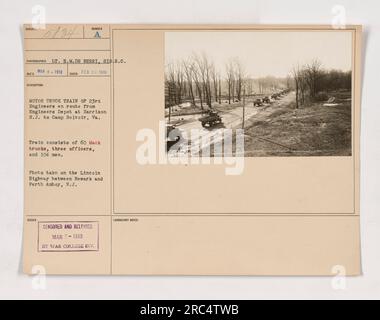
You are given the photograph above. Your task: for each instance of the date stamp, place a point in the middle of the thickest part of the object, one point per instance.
(68, 236)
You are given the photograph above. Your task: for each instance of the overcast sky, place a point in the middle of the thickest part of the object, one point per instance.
(264, 52)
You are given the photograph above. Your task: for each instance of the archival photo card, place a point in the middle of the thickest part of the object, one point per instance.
(192, 149)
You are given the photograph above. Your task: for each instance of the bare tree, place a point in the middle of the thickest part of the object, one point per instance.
(175, 80)
(197, 82)
(239, 76)
(188, 70)
(204, 67)
(306, 78)
(170, 80)
(180, 82)
(220, 91)
(215, 82)
(296, 76)
(249, 86)
(302, 81)
(313, 71)
(230, 79)
(288, 81)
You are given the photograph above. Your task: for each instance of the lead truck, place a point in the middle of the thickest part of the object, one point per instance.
(212, 118)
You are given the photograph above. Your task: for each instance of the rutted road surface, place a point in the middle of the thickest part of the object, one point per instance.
(232, 119)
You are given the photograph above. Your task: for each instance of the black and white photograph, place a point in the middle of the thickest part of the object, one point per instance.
(290, 91)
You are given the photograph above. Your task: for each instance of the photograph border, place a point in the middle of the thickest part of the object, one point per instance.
(355, 107)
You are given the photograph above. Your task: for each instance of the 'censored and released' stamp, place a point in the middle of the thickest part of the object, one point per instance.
(66, 236)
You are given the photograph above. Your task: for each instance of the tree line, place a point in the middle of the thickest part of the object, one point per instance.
(311, 82)
(197, 80)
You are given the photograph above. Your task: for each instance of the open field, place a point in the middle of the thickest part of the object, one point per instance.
(312, 130)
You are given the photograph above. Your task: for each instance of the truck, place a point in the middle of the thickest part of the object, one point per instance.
(266, 99)
(258, 102)
(210, 119)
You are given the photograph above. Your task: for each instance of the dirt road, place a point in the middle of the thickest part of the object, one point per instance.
(232, 119)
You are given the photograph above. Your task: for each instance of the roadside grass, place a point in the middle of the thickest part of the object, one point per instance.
(311, 130)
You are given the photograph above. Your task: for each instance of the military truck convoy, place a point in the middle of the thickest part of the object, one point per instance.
(259, 102)
(212, 118)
